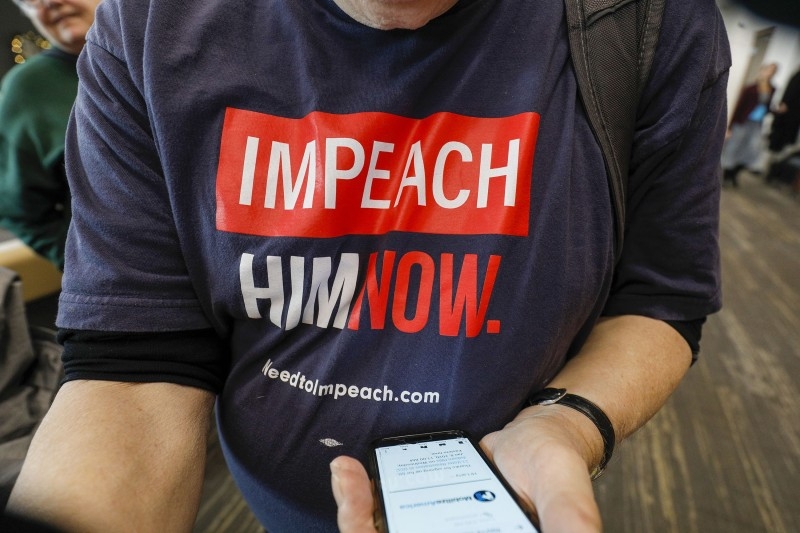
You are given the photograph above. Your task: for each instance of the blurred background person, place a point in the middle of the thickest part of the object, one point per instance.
(35, 102)
(743, 140)
(786, 124)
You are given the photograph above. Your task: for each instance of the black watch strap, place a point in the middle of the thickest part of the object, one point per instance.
(551, 396)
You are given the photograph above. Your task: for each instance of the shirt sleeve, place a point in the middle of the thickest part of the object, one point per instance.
(197, 359)
(114, 171)
(670, 263)
(128, 310)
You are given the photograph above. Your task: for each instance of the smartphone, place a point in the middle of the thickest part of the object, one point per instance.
(442, 482)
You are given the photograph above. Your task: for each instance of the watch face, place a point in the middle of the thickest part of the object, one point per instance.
(548, 396)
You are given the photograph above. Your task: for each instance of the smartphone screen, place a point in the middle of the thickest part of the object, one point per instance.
(441, 482)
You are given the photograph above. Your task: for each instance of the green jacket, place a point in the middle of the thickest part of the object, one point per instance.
(36, 98)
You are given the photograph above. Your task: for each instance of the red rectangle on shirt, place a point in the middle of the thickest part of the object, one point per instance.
(327, 175)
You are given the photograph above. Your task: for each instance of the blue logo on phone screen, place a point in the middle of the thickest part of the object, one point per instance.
(484, 496)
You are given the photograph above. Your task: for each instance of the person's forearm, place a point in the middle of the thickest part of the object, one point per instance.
(628, 367)
(117, 457)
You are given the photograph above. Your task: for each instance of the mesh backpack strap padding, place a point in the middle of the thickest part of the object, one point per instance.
(612, 43)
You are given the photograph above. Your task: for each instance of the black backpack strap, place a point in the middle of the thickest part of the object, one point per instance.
(612, 43)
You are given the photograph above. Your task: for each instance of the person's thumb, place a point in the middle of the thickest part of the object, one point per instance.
(353, 494)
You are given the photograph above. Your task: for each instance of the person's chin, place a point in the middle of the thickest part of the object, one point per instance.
(71, 40)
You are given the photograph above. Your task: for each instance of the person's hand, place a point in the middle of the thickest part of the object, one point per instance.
(353, 494)
(544, 457)
(542, 454)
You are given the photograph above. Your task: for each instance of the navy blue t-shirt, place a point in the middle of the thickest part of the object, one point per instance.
(393, 231)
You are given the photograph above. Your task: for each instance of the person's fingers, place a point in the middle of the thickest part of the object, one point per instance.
(565, 503)
(566, 513)
(551, 480)
(353, 494)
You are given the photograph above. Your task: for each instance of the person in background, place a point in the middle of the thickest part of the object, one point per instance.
(342, 233)
(786, 124)
(743, 139)
(36, 98)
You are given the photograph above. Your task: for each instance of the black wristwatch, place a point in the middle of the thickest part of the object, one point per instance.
(551, 396)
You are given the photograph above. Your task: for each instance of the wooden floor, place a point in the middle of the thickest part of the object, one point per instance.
(723, 456)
